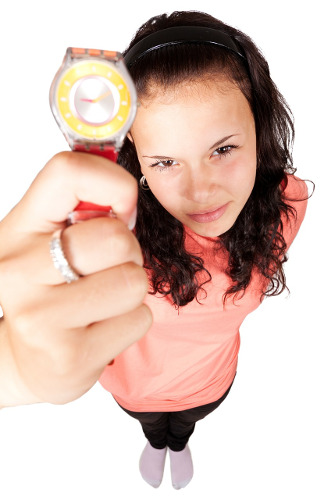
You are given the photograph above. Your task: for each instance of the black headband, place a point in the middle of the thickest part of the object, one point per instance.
(179, 35)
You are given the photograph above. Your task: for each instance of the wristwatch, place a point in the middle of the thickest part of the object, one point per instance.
(94, 102)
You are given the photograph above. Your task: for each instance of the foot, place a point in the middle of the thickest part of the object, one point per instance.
(152, 465)
(181, 467)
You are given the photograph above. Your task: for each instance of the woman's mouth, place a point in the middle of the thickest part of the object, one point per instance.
(210, 215)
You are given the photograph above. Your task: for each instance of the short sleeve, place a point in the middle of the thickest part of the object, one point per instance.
(296, 196)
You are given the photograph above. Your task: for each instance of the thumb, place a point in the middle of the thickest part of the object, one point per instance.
(69, 178)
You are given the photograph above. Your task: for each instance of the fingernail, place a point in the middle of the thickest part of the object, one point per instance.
(132, 220)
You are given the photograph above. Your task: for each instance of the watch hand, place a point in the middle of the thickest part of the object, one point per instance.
(106, 94)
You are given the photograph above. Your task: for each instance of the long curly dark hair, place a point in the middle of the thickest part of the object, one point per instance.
(256, 239)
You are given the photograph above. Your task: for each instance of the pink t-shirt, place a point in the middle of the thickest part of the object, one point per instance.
(189, 356)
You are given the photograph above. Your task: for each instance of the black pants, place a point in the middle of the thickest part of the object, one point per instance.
(173, 429)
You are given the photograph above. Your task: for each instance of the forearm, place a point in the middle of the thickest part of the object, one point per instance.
(13, 391)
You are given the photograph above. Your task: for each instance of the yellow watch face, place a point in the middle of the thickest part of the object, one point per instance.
(93, 99)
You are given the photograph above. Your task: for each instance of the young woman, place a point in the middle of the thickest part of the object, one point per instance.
(218, 209)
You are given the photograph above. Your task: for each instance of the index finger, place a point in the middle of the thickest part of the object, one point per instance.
(68, 178)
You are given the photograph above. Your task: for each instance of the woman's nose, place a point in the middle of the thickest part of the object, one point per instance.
(199, 185)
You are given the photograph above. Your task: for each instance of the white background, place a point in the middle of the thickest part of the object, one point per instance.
(272, 438)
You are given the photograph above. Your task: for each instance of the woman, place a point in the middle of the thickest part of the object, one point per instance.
(217, 212)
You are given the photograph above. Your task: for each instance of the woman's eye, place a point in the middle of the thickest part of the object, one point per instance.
(224, 150)
(163, 164)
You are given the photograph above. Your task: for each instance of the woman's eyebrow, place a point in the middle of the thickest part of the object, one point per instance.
(216, 145)
(221, 141)
(160, 157)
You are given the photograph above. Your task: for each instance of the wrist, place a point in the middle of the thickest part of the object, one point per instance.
(13, 391)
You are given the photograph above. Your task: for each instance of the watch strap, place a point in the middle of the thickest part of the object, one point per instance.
(108, 152)
(105, 150)
(80, 53)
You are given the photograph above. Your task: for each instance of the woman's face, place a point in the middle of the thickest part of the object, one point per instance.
(197, 149)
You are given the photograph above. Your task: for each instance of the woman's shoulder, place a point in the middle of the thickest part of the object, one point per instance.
(295, 189)
(295, 195)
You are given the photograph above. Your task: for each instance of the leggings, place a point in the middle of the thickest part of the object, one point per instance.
(173, 429)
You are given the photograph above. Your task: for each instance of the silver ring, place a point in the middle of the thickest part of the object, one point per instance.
(59, 260)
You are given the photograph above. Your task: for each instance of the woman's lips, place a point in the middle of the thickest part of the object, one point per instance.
(210, 215)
